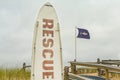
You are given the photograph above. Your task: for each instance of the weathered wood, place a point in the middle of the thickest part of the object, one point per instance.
(96, 65)
(73, 68)
(66, 71)
(77, 76)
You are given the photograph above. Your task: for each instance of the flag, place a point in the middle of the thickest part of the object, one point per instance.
(83, 33)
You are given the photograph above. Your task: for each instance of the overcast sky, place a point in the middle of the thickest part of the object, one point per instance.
(100, 17)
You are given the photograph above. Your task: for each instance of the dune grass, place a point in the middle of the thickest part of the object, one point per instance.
(21, 74)
(14, 74)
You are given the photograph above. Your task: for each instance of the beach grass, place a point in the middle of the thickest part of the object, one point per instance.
(14, 74)
(21, 74)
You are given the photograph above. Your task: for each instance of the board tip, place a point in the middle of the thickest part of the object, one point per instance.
(48, 4)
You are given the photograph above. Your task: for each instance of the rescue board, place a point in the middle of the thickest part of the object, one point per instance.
(47, 50)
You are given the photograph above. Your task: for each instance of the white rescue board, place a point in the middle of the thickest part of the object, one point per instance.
(47, 53)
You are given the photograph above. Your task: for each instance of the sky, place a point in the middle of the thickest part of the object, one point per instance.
(100, 17)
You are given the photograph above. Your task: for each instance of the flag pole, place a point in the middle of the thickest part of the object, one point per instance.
(75, 46)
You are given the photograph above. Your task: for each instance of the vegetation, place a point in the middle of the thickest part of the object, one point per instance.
(21, 74)
(14, 74)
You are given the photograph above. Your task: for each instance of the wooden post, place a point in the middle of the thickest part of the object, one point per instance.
(73, 68)
(106, 74)
(66, 71)
(99, 70)
(24, 66)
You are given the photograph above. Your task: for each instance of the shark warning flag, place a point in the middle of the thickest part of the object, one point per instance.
(83, 33)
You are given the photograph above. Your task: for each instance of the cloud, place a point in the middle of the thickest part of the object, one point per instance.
(100, 17)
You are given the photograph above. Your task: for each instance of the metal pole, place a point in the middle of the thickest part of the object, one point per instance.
(75, 47)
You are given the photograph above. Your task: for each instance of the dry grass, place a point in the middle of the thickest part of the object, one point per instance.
(14, 74)
(20, 74)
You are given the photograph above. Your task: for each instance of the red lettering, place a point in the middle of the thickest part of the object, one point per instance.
(47, 42)
(48, 23)
(46, 64)
(48, 32)
(48, 74)
(47, 53)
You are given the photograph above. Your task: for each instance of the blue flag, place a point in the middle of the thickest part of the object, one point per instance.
(83, 33)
